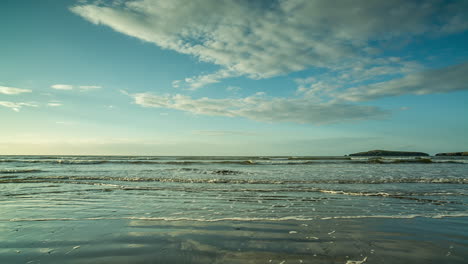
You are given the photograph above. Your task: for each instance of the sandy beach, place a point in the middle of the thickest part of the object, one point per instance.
(377, 240)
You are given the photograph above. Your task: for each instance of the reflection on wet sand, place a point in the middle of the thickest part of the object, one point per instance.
(372, 240)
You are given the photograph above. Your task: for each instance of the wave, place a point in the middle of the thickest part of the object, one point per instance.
(263, 192)
(419, 197)
(7, 177)
(95, 160)
(240, 219)
(415, 160)
(14, 171)
(54, 161)
(99, 161)
(263, 158)
(395, 196)
(242, 181)
(201, 171)
(410, 216)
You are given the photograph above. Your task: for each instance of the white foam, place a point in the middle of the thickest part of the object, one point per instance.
(12, 171)
(356, 261)
(244, 219)
(410, 216)
(355, 193)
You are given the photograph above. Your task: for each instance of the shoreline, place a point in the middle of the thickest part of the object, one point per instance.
(389, 240)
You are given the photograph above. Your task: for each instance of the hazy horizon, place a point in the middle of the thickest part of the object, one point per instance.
(205, 155)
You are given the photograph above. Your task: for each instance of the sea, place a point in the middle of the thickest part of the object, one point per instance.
(242, 209)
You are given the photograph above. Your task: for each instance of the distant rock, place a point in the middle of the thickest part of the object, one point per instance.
(453, 154)
(379, 152)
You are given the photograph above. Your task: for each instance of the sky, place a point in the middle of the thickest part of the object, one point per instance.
(220, 77)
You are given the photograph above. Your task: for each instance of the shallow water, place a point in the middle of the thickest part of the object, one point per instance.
(189, 198)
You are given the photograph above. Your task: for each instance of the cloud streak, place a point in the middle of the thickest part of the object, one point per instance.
(16, 106)
(71, 87)
(54, 104)
(13, 90)
(62, 87)
(261, 108)
(196, 82)
(449, 79)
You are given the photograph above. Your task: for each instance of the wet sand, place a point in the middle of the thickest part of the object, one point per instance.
(376, 240)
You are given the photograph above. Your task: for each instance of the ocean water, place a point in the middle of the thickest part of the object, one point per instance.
(58, 193)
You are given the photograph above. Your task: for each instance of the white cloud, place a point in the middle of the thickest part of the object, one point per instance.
(54, 104)
(261, 108)
(196, 82)
(261, 39)
(176, 84)
(12, 90)
(16, 106)
(324, 86)
(71, 87)
(449, 79)
(338, 40)
(62, 86)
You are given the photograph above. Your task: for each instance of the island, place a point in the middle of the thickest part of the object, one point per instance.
(379, 152)
(465, 153)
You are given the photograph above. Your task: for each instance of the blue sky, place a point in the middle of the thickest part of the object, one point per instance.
(291, 77)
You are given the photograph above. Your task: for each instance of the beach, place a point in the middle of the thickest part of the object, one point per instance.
(101, 209)
(378, 240)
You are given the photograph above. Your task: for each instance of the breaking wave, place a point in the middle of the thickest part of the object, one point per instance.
(237, 219)
(240, 181)
(14, 171)
(225, 160)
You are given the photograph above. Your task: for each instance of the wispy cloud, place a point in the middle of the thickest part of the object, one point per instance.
(265, 39)
(71, 87)
(233, 89)
(262, 108)
(449, 79)
(323, 85)
(16, 106)
(13, 90)
(62, 86)
(54, 104)
(196, 82)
